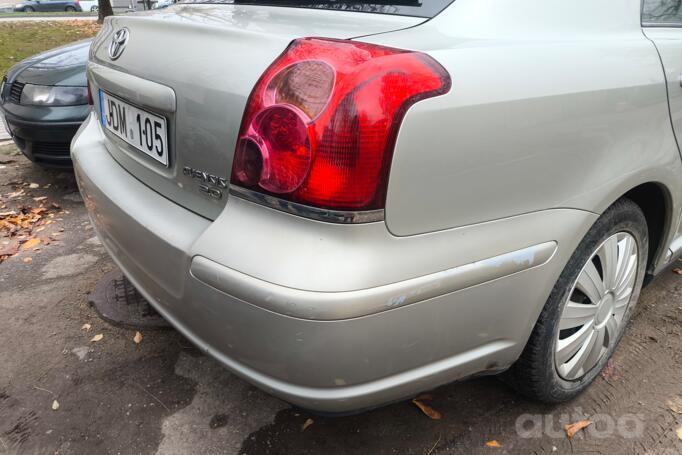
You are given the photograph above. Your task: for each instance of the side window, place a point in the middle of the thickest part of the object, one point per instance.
(662, 12)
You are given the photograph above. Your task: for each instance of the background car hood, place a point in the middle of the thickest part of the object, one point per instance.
(61, 66)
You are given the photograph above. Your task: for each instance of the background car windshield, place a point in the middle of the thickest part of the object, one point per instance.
(418, 8)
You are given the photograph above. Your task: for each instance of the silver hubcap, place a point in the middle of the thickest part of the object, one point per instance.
(593, 316)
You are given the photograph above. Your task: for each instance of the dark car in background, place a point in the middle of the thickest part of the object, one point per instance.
(31, 6)
(43, 100)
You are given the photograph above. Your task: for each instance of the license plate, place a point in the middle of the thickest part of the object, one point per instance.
(141, 129)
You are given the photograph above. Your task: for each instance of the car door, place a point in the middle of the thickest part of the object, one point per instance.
(662, 24)
(57, 5)
(41, 5)
(46, 5)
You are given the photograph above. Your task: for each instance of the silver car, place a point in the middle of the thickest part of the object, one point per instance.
(347, 203)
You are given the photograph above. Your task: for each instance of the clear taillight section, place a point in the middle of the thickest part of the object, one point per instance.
(320, 125)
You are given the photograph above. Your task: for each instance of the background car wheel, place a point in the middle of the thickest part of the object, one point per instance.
(587, 312)
(28, 9)
(94, 9)
(70, 9)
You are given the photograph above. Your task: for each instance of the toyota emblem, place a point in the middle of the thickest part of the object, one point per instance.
(118, 43)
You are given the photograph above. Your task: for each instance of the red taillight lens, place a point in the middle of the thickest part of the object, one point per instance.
(320, 125)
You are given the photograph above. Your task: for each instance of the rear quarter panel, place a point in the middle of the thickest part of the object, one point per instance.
(553, 105)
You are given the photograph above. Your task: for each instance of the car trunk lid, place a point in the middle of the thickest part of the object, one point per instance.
(196, 65)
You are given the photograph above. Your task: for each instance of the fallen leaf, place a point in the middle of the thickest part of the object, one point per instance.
(138, 338)
(55, 405)
(28, 260)
(573, 428)
(34, 186)
(97, 338)
(677, 271)
(609, 371)
(675, 405)
(307, 424)
(494, 444)
(30, 244)
(430, 412)
(9, 250)
(86, 327)
(41, 198)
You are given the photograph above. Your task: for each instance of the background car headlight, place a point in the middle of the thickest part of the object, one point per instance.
(44, 95)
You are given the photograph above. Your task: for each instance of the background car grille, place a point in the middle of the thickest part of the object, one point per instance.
(15, 92)
(54, 154)
(53, 149)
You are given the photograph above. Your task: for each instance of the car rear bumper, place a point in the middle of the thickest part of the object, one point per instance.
(330, 350)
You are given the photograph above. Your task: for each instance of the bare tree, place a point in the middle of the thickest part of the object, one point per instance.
(105, 10)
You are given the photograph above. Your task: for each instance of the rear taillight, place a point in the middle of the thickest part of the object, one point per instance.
(320, 125)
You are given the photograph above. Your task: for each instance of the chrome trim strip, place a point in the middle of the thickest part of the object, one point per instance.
(661, 24)
(332, 216)
(133, 89)
(328, 306)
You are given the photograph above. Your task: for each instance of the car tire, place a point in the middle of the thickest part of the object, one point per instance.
(70, 9)
(545, 372)
(94, 9)
(28, 9)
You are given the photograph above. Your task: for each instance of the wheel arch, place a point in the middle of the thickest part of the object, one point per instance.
(655, 201)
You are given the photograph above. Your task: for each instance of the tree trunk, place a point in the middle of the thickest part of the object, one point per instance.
(105, 10)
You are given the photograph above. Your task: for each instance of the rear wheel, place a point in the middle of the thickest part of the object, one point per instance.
(29, 9)
(70, 9)
(587, 312)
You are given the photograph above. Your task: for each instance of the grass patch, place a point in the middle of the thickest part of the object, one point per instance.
(19, 40)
